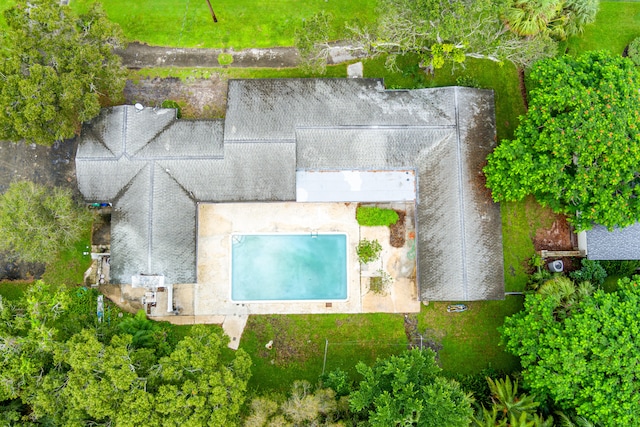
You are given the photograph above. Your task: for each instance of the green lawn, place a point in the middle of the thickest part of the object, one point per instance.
(617, 23)
(299, 345)
(470, 340)
(68, 266)
(241, 23)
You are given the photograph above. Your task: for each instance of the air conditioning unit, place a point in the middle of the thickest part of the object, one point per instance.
(556, 266)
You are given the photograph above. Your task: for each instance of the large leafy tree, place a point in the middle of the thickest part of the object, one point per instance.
(577, 149)
(54, 68)
(408, 390)
(305, 406)
(586, 360)
(91, 374)
(440, 31)
(37, 222)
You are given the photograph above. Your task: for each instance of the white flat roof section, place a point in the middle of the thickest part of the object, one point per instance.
(355, 186)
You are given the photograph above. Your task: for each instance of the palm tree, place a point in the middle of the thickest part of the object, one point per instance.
(579, 13)
(566, 421)
(504, 395)
(531, 17)
(510, 409)
(492, 419)
(142, 330)
(565, 294)
(555, 18)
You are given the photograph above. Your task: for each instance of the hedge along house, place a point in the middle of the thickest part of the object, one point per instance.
(155, 170)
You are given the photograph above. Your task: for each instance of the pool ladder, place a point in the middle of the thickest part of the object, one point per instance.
(314, 234)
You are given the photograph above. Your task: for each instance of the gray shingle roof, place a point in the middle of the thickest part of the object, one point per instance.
(275, 127)
(130, 237)
(248, 172)
(125, 156)
(618, 244)
(185, 139)
(365, 148)
(272, 109)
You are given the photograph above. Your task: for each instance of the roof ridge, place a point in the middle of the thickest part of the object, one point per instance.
(188, 193)
(153, 138)
(125, 187)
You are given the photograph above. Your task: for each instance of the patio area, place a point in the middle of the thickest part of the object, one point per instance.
(209, 300)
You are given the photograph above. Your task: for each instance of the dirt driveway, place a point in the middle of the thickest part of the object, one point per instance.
(200, 98)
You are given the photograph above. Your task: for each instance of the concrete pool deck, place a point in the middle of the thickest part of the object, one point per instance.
(216, 224)
(209, 300)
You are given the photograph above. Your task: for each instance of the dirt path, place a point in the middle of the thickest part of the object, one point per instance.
(52, 166)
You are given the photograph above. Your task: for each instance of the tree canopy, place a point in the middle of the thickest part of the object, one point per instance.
(37, 222)
(408, 390)
(583, 355)
(54, 68)
(440, 31)
(577, 149)
(68, 369)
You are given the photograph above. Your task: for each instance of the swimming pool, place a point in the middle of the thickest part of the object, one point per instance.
(288, 267)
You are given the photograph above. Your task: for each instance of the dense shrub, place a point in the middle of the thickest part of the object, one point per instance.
(168, 103)
(373, 216)
(477, 383)
(468, 81)
(625, 268)
(337, 380)
(37, 222)
(591, 271)
(368, 250)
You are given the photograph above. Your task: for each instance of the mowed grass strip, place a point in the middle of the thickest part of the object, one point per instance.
(241, 23)
(617, 23)
(190, 74)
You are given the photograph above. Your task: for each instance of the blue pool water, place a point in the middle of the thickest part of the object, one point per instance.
(283, 267)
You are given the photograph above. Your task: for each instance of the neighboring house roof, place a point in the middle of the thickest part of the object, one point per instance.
(617, 244)
(155, 168)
